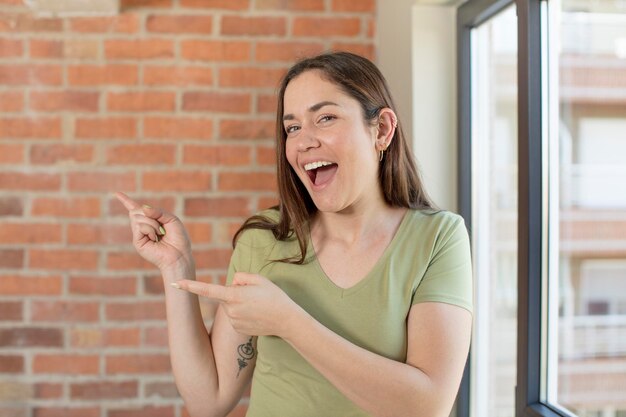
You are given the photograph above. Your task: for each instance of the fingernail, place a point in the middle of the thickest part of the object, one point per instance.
(175, 285)
(146, 206)
(162, 230)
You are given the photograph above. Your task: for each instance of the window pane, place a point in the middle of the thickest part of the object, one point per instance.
(587, 332)
(494, 214)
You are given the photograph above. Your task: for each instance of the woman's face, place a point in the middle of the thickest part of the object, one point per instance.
(329, 145)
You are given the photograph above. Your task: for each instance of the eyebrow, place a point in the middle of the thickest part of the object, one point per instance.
(312, 109)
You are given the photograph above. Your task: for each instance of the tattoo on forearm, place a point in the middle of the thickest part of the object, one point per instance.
(247, 352)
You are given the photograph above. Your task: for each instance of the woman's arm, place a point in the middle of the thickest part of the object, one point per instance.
(205, 367)
(426, 385)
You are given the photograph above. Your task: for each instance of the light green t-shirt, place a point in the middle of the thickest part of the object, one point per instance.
(427, 260)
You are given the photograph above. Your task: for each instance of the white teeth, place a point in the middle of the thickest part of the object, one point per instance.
(314, 165)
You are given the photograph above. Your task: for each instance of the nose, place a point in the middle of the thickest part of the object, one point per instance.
(307, 140)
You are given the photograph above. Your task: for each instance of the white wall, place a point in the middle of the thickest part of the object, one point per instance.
(416, 52)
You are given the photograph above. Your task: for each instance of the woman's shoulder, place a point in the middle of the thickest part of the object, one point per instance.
(256, 231)
(441, 219)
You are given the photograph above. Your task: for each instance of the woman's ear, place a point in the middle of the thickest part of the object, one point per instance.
(387, 124)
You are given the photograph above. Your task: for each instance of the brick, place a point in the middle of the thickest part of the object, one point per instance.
(202, 50)
(65, 311)
(295, 5)
(180, 24)
(11, 154)
(15, 410)
(254, 26)
(136, 311)
(31, 74)
(138, 364)
(225, 232)
(30, 285)
(326, 26)
(36, 182)
(247, 129)
(101, 390)
(217, 4)
(52, 411)
(10, 48)
(141, 154)
(266, 156)
(177, 181)
(122, 23)
(98, 338)
(286, 51)
(100, 181)
(250, 77)
(147, 411)
(11, 364)
(247, 181)
(31, 337)
(161, 390)
(27, 127)
(77, 207)
(55, 153)
(160, 127)
(102, 286)
(267, 103)
(367, 6)
(139, 4)
(68, 364)
(40, 48)
(11, 310)
(45, 390)
(21, 23)
(153, 284)
(141, 101)
(177, 76)
(15, 391)
(364, 49)
(75, 101)
(98, 75)
(201, 232)
(124, 261)
(106, 128)
(98, 234)
(155, 336)
(138, 49)
(217, 207)
(212, 258)
(63, 259)
(15, 233)
(11, 206)
(221, 155)
(217, 102)
(81, 49)
(11, 101)
(371, 28)
(11, 258)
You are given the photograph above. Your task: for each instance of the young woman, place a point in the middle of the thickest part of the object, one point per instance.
(353, 297)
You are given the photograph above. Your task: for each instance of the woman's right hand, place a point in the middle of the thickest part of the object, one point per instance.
(159, 237)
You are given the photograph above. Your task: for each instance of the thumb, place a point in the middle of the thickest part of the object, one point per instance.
(244, 278)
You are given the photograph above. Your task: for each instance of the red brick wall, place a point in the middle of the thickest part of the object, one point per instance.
(171, 101)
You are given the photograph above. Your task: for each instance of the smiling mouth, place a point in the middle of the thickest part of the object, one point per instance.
(322, 174)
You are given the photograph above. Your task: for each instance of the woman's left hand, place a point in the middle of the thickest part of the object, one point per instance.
(254, 304)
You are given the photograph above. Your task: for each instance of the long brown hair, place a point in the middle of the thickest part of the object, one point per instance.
(399, 179)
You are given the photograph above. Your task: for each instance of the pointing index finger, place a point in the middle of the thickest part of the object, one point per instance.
(128, 202)
(212, 291)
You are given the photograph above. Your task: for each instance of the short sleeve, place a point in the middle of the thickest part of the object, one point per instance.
(241, 259)
(448, 277)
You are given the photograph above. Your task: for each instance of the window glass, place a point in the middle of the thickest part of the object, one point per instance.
(587, 307)
(494, 214)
